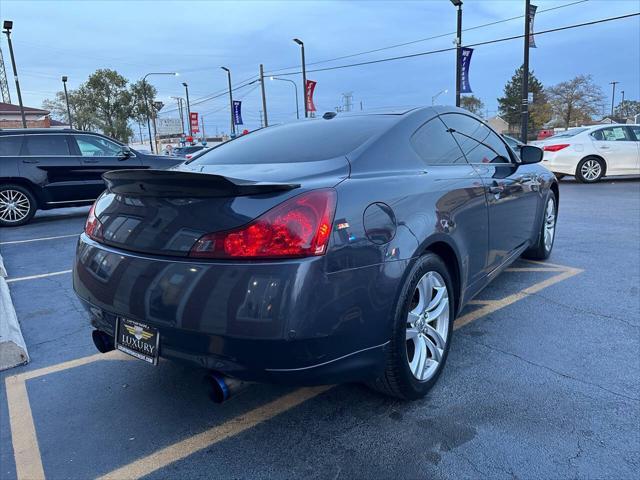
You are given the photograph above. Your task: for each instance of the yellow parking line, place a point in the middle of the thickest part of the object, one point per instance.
(495, 305)
(178, 451)
(23, 432)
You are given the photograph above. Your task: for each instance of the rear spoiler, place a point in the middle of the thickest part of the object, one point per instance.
(173, 184)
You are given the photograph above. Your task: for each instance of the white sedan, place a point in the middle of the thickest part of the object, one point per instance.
(591, 153)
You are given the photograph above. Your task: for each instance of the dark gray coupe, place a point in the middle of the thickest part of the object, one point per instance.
(327, 250)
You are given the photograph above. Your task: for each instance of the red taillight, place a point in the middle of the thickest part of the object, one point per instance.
(555, 148)
(188, 157)
(92, 226)
(298, 227)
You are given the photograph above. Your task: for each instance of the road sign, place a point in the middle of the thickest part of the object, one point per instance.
(169, 126)
(193, 118)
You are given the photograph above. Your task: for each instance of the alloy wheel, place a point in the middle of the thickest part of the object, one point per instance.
(14, 206)
(549, 224)
(591, 170)
(427, 326)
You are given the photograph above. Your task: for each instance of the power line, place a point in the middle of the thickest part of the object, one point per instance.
(412, 42)
(449, 49)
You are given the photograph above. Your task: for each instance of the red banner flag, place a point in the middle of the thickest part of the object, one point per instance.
(193, 118)
(309, 89)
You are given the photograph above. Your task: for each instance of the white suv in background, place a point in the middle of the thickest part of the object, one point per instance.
(591, 153)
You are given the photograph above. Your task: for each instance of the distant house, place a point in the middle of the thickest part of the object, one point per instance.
(614, 119)
(10, 117)
(498, 123)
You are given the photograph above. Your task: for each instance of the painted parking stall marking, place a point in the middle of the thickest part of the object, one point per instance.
(23, 432)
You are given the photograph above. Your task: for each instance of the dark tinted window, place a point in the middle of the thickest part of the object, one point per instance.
(10, 145)
(478, 142)
(435, 145)
(305, 141)
(45, 144)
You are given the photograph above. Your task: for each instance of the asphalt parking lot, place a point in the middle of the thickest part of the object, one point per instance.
(543, 379)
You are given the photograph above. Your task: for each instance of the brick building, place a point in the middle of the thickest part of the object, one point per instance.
(36, 117)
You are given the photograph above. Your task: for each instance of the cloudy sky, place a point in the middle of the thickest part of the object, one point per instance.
(195, 38)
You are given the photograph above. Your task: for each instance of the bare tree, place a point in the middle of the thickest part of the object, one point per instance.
(576, 100)
(473, 104)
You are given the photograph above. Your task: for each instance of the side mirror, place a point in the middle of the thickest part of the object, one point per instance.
(125, 152)
(530, 154)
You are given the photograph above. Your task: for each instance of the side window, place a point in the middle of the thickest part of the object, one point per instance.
(477, 141)
(636, 131)
(435, 145)
(94, 146)
(45, 144)
(612, 134)
(10, 145)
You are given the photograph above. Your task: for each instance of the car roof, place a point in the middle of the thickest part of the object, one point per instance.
(40, 130)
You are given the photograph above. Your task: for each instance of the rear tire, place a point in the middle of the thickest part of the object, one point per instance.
(546, 237)
(17, 205)
(590, 170)
(422, 330)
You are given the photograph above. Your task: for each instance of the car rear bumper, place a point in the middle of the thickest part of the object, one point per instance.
(281, 321)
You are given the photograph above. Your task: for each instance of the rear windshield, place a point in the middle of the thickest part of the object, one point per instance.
(569, 133)
(305, 141)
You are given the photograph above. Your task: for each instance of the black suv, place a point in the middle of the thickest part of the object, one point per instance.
(46, 168)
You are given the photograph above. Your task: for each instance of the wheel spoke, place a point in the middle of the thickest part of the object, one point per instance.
(439, 310)
(434, 350)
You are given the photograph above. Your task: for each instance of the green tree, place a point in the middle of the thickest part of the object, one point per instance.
(83, 116)
(140, 110)
(576, 101)
(472, 103)
(627, 109)
(510, 104)
(107, 94)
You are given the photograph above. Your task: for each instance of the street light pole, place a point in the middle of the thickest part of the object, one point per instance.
(524, 123)
(433, 99)
(8, 25)
(180, 111)
(304, 76)
(458, 4)
(264, 98)
(613, 95)
(295, 86)
(186, 89)
(233, 127)
(148, 107)
(66, 97)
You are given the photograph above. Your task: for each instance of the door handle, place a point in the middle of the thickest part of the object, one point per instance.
(27, 160)
(90, 161)
(604, 147)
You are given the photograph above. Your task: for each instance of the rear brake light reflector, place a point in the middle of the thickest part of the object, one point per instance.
(92, 226)
(298, 227)
(555, 148)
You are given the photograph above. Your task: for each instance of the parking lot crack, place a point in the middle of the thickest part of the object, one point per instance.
(576, 309)
(556, 372)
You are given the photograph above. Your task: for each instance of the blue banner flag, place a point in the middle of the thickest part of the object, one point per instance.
(464, 72)
(532, 15)
(237, 112)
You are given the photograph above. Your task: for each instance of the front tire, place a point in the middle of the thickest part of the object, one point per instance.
(17, 205)
(590, 170)
(422, 330)
(546, 237)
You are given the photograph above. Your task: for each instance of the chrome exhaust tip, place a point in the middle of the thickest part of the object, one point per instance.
(102, 341)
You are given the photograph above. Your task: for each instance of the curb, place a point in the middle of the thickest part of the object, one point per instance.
(13, 350)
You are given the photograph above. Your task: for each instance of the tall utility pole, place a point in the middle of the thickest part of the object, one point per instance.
(66, 97)
(233, 125)
(180, 111)
(4, 85)
(613, 95)
(524, 124)
(8, 25)
(149, 109)
(622, 93)
(186, 89)
(304, 76)
(458, 4)
(204, 135)
(264, 98)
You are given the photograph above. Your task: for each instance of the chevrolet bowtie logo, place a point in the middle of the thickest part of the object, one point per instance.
(138, 332)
